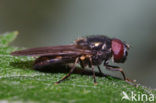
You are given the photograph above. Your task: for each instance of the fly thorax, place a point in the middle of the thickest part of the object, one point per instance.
(98, 58)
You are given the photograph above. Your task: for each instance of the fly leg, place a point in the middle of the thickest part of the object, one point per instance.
(91, 65)
(72, 69)
(82, 64)
(99, 70)
(116, 68)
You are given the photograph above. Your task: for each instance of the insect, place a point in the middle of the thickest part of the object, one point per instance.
(90, 51)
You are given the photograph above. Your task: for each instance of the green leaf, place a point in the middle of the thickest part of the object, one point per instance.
(20, 83)
(7, 38)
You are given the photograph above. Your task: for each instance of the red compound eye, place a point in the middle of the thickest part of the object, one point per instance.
(118, 50)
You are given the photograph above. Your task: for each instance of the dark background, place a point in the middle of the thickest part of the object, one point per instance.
(56, 22)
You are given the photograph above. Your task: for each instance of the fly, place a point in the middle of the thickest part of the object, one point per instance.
(90, 51)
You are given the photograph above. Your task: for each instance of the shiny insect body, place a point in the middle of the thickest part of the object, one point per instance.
(90, 51)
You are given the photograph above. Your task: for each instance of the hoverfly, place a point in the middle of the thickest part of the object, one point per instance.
(89, 51)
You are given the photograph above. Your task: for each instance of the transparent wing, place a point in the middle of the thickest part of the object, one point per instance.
(52, 51)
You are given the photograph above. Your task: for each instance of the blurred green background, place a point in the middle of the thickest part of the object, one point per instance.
(57, 22)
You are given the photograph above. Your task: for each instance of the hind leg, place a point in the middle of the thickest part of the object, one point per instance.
(72, 69)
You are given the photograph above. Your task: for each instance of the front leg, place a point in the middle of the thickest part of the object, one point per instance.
(116, 68)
